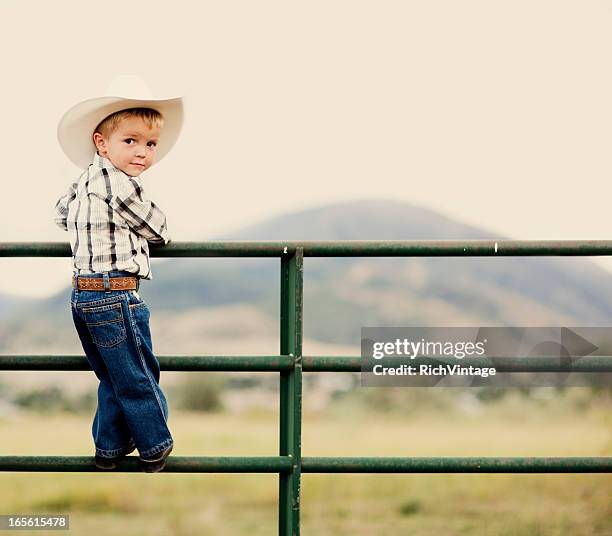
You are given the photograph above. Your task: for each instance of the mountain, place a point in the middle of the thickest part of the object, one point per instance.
(12, 304)
(343, 294)
(360, 220)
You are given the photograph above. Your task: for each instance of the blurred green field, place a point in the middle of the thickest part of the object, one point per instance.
(334, 504)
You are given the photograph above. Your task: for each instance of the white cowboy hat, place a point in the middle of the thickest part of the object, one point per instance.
(76, 127)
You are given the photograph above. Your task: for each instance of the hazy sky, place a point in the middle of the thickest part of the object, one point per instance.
(498, 114)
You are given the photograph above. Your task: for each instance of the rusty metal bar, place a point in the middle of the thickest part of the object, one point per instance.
(456, 465)
(276, 363)
(290, 439)
(175, 464)
(342, 248)
(255, 363)
(501, 364)
(285, 464)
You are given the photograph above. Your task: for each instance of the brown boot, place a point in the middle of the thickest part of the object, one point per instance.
(157, 464)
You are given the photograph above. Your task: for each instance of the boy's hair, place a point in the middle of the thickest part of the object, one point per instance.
(109, 124)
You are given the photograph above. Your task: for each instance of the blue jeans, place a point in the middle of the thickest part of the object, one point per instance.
(114, 330)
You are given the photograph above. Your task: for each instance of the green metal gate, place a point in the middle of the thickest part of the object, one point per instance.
(290, 363)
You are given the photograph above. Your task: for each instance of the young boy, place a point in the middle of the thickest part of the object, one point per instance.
(110, 222)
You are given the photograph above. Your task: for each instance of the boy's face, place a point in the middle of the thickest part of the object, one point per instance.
(131, 147)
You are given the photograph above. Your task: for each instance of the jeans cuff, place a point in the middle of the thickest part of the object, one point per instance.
(156, 449)
(116, 452)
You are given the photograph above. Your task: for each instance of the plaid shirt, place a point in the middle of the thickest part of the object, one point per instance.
(110, 221)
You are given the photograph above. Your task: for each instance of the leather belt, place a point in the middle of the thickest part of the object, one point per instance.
(97, 283)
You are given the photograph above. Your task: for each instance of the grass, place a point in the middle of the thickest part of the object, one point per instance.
(332, 504)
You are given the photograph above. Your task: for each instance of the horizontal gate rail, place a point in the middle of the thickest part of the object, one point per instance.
(342, 248)
(175, 464)
(273, 363)
(456, 465)
(290, 464)
(284, 464)
(277, 363)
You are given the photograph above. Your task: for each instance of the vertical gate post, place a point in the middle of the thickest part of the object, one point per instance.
(291, 308)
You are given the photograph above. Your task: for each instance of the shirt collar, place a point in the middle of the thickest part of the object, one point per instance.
(100, 162)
